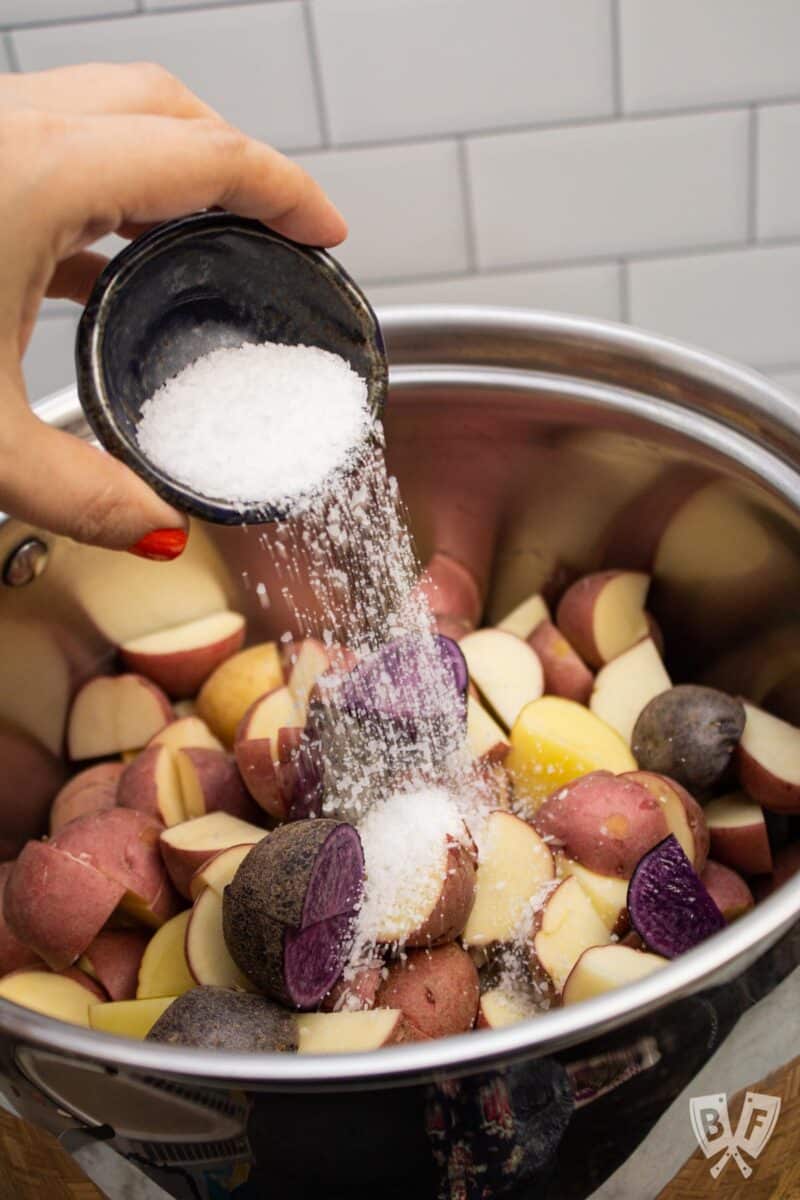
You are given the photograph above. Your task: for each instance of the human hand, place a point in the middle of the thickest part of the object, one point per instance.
(88, 151)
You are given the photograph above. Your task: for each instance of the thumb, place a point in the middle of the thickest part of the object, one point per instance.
(54, 480)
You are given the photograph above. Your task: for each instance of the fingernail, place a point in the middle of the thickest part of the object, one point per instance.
(162, 545)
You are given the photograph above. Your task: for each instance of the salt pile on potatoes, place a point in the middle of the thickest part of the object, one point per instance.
(195, 889)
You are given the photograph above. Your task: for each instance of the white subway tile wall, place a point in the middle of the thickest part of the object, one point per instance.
(412, 68)
(778, 199)
(624, 159)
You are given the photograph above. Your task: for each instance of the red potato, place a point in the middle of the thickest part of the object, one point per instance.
(608, 894)
(353, 1032)
(738, 834)
(786, 866)
(684, 816)
(436, 990)
(122, 844)
(565, 672)
(30, 777)
(768, 760)
(150, 784)
(501, 1007)
(528, 615)
(637, 530)
(627, 684)
(728, 890)
(565, 925)
(304, 663)
(486, 740)
(210, 782)
(207, 956)
(600, 969)
(187, 733)
(56, 903)
(507, 672)
(355, 993)
(602, 615)
(424, 897)
(262, 746)
(14, 954)
(91, 790)
(218, 871)
(606, 822)
(181, 658)
(453, 594)
(113, 959)
(86, 981)
(112, 713)
(514, 866)
(186, 847)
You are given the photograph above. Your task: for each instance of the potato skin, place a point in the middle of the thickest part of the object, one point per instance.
(689, 733)
(454, 905)
(57, 904)
(217, 1018)
(14, 954)
(565, 672)
(437, 990)
(604, 821)
(727, 889)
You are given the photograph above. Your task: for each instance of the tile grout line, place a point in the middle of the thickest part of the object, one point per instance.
(315, 61)
(624, 292)
(616, 58)
(11, 51)
(752, 165)
(609, 259)
(470, 231)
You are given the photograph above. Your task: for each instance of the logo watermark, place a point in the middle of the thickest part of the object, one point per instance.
(712, 1128)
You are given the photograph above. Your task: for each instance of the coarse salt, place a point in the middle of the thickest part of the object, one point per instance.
(260, 424)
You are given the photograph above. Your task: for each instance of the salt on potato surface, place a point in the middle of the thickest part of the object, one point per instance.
(257, 424)
(404, 839)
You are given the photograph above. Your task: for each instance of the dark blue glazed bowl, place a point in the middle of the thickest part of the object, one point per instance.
(197, 284)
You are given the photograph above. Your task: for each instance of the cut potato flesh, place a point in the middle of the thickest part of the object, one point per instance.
(276, 711)
(206, 952)
(608, 894)
(53, 995)
(773, 744)
(164, 970)
(555, 741)
(569, 926)
(204, 631)
(485, 738)
(500, 1007)
(523, 619)
(187, 733)
(506, 671)
(619, 616)
(624, 686)
(516, 863)
(604, 968)
(220, 870)
(349, 1032)
(129, 1018)
(215, 831)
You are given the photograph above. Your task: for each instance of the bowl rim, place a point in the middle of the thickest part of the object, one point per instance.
(91, 382)
(751, 935)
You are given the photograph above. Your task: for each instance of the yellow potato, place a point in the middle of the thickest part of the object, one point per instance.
(164, 970)
(129, 1018)
(554, 741)
(228, 693)
(53, 995)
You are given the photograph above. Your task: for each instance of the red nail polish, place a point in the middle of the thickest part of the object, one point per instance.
(162, 545)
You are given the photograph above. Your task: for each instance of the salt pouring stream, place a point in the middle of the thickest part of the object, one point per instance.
(211, 281)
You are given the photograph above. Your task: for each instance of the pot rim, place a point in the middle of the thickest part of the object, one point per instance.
(765, 412)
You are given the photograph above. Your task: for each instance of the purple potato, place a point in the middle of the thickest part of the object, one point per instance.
(668, 904)
(289, 911)
(215, 1018)
(689, 733)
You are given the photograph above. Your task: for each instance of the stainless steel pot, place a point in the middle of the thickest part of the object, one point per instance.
(540, 446)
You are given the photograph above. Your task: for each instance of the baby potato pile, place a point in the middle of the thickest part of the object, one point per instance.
(184, 894)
